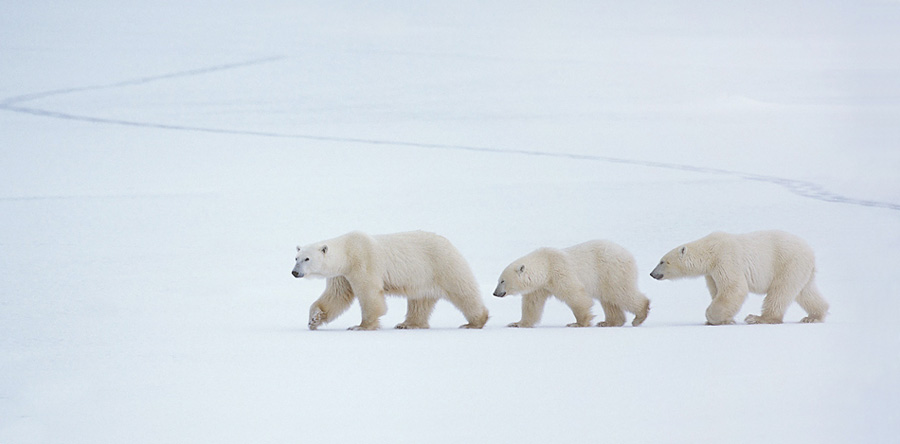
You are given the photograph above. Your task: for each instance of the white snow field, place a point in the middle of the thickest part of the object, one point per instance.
(159, 162)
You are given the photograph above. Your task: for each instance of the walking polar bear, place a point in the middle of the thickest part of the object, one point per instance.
(778, 264)
(422, 266)
(596, 269)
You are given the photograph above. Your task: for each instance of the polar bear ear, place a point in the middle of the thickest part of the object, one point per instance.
(324, 249)
(521, 269)
(298, 248)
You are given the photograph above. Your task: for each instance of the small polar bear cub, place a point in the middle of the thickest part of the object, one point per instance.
(422, 266)
(778, 264)
(597, 269)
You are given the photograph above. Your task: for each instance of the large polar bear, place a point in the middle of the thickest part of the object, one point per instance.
(778, 264)
(596, 269)
(422, 266)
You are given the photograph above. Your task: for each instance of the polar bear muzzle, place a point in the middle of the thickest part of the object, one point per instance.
(659, 272)
(500, 291)
(297, 272)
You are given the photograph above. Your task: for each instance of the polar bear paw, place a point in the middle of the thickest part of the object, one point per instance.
(812, 320)
(363, 327)
(409, 326)
(476, 322)
(725, 322)
(754, 319)
(519, 324)
(316, 319)
(610, 324)
(575, 324)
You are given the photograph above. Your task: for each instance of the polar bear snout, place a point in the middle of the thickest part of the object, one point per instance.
(657, 272)
(500, 291)
(297, 274)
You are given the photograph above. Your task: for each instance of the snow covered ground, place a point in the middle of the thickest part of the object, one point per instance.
(159, 162)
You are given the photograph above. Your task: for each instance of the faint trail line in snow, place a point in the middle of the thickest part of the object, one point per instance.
(799, 187)
(7, 102)
(104, 196)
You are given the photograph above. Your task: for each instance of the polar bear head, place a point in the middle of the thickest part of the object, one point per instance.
(523, 275)
(684, 261)
(313, 260)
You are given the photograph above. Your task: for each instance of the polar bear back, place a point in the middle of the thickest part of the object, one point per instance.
(419, 263)
(603, 266)
(765, 257)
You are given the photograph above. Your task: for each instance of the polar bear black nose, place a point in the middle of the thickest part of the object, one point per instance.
(296, 275)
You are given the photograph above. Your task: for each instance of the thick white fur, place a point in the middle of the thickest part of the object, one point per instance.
(423, 267)
(596, 269)
(778, 264)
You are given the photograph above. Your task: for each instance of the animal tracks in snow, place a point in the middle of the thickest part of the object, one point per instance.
(14, 104)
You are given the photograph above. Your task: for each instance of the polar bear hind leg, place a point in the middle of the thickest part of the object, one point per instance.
(811, 300)
(782, 292)
(418, 311)
(615, 315)
(641, 312)
(470, 304)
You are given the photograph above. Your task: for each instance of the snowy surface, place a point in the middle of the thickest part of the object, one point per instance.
(159, 162)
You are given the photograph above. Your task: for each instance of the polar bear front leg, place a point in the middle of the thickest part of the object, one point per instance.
(569, 289)
(317, 317)
(726, 305)
(716, 315)
(580, 304)
(373, 307)
(335, 300)
(711, 286)
(532, 308)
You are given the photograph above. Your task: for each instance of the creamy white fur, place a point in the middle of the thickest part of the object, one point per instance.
(423, 267)
(596, 269)
(778, 264)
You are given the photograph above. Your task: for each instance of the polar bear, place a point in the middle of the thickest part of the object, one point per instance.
(778, 264)
(422, 266)
(596, 269)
